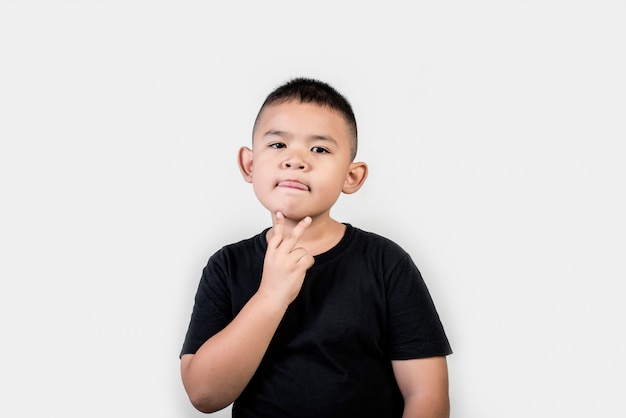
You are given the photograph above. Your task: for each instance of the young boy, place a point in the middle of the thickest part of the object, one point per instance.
(312, 317)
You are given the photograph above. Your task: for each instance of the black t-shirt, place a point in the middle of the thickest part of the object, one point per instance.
(362, 304)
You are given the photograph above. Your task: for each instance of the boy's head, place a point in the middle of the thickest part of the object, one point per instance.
(307, 90)
(304, 143)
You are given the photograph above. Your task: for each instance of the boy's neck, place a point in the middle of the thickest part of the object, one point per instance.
(322, 235)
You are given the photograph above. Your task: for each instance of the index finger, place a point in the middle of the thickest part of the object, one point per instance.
(277, 229)
(297, 231)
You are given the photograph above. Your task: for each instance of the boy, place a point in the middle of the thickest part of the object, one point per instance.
(312, 317)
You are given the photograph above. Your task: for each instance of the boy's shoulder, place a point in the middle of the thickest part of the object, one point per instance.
(373, 236)
(372, 241)
(251, 241)
(254, 245)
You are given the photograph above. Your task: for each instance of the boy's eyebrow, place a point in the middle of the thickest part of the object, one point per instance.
(324, 138)
(275, 133)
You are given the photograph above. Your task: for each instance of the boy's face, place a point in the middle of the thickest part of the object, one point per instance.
(300, 161)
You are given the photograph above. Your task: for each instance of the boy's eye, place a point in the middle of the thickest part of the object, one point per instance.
(277, 145)
(319, 150)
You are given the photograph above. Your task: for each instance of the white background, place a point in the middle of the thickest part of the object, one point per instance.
(495, 133)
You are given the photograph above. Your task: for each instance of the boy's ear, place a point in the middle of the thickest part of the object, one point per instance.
(355, 178)
(244, 159)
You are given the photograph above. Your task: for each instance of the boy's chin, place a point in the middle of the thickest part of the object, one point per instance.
(291, 214)
(294, 215)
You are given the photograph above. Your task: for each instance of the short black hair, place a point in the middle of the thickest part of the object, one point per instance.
(308, 90)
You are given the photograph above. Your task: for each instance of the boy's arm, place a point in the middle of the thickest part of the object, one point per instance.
(424, 386)
(222, 367)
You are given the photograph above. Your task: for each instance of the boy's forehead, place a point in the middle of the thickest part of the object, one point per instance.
(302, 114)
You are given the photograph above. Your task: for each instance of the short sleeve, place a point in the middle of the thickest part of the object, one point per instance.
(415, 330)
(212, 308)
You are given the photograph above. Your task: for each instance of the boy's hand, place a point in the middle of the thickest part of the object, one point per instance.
(285, 264)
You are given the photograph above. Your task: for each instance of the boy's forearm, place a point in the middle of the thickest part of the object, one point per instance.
(427, 406)
(219, 371)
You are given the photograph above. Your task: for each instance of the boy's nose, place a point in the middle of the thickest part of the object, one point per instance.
(294, 163)
(295, 160)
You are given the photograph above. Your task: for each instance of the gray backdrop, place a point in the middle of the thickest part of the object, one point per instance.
(495, 136)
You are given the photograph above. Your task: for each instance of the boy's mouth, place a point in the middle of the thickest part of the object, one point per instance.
(293, 184)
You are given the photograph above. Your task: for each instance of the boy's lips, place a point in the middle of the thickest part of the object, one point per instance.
(293, 184)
